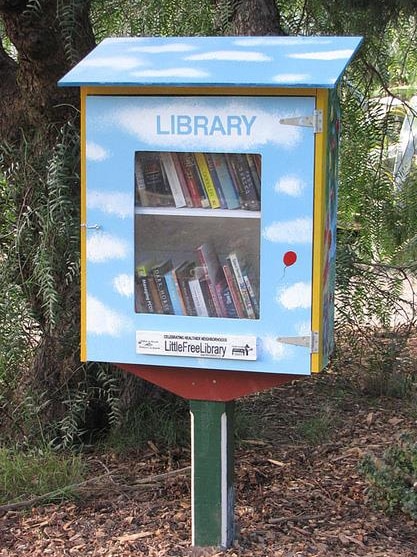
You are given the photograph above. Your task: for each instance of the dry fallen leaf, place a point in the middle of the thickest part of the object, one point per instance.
(395, 421)
(276, 462)
(134, 537)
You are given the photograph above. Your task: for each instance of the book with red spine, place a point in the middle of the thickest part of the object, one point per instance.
(234, 291)
(182, 179)
(192, 177)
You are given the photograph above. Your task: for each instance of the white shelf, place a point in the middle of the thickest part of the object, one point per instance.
(193, 212)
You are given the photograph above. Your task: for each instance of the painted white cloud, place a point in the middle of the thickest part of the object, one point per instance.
(277, 350)
(103, 247)
(280, 41)
(142, 122)
(124, 285)
(297, 231)
(116, 63)
(102, 320)
(290, 185)
(163, 48)
(303, 328)
(171, 72)
(231, 56)
(111, 203)
(323, 55)
(95, 152)
(296, 296)
(291, 77)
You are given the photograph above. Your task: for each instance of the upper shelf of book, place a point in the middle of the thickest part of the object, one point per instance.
(198, 181)
(215, 61)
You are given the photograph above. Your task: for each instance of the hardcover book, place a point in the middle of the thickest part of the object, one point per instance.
(193, 180)
(173, 179)
(247, 303)
(244, 182)
(207, 180)
(230, 193)
(152, 183)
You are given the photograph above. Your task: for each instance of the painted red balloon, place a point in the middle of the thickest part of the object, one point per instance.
(290, 257)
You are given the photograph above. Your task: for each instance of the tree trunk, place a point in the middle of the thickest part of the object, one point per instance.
(248, 17)
(49, 37)
(45, 38)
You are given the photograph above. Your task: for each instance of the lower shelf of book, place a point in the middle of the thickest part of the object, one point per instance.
(197, 267)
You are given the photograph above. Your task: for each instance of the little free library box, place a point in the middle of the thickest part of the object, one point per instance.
(209, 196)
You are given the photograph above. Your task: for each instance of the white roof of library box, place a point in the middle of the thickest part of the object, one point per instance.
(215, 61)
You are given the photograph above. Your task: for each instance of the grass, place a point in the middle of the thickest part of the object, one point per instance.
(37, 472)
(317, 429)
(165, 422)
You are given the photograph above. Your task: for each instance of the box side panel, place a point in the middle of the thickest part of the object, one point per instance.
(329, 271)
(325, 214)
(83, 232)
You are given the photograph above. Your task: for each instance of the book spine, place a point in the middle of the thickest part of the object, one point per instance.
(141, 305)
(207, 180)
(161, 286)
(252, 295)
(211, 308)
(174, 293)
(188, 299)
(198, 297)
(243, 180)
(140, 189)
(225, 296)
(183, 181)
(176, 277)
(173, 179)
(230, 193)
(234, 262)
(154, 294)
(254, 170)
(192, 177)
(209, 260)
(158, 192)
(234, 291)
(216, 181)
(182, 274)
(148, 296)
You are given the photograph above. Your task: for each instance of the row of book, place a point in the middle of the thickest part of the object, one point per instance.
(198, 180)
(203, 287)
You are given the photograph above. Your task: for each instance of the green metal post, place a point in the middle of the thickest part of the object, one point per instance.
(212, 473)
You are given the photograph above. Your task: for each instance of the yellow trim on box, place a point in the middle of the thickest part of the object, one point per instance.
(199, 91)
(83, 231)
(319, 217)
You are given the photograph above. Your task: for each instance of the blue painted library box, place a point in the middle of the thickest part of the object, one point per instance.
(209, 196)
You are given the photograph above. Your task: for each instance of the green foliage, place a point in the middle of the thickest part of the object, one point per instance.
(317, 429)
(92, 407)
(37, 472)
(165, 421)
(152, 17)
(393, 478)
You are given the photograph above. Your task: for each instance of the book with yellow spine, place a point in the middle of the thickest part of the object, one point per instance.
(207, 181)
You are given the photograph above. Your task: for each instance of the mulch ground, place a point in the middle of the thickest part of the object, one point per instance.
(298, 489)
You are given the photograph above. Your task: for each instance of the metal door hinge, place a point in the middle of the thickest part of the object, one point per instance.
(309, 341)
(90, 226)
(314, 121)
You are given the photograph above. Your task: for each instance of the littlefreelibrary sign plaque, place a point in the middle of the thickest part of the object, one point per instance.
(196, 345)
